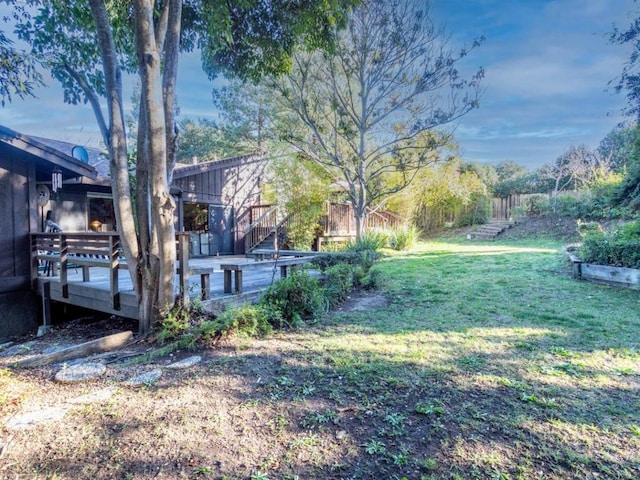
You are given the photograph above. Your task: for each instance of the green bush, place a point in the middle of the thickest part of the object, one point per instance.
(569, 206)
(370, 240)
(477, 211)
(294, 299)
(588, 228)
(619, 247)
(339, 282)
(535, 205)
(373, 279)
(246, 320)
(364, 259)
(174, 324)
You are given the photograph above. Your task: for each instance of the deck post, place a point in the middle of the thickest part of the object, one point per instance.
(183, 268)
(46, 308)
(205, 286)
(227, 281)
(238, 279)
(64, 282)
(114, 252)
(34, 262)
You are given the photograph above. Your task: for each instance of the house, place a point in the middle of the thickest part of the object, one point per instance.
(26, 169)
(212, 198)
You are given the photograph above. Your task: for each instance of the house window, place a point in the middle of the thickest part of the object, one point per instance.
(102, 217)
(196, 217)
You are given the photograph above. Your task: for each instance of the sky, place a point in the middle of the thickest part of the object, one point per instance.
(548, 64)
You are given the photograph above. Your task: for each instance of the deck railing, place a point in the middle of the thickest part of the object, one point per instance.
(340, 220)
(55, 253)
(337, 221)
(265, 223)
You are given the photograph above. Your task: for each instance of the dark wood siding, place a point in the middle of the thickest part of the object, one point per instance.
(14, 225)
(235, 186)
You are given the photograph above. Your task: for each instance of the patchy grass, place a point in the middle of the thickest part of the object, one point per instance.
(488, 361)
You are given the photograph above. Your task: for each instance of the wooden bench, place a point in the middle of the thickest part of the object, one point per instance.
(261, 253)
(205, 280)
(237, 268)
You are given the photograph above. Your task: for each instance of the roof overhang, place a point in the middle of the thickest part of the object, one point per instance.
(182, 171)
(43, 154)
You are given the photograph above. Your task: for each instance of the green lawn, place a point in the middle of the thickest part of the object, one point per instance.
(488, 362)
(496, 363)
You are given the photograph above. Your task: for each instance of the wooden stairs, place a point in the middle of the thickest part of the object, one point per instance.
(489, 231)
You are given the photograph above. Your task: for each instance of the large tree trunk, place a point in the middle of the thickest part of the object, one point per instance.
(159, 253)
(115, 139)
(360, 209)
(148, 234)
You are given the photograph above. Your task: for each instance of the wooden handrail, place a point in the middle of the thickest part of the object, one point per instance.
(101, 249)
(261, 228)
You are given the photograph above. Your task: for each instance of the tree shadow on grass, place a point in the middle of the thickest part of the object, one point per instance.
(285, 409)
(470, 372)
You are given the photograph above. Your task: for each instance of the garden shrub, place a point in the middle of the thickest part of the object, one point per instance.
(535, 205)
(364, 258)
(619, 247)
(246, 320)
(477, 211)
(294, 299)
(569, 206)
(181, 321)
(587, 228)
(373, 279)
(339, 282)
(173, 324)
(369, 240)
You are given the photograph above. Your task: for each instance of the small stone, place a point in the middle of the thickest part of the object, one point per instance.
(185, 363)
(147, 378)
(100, 395)
(80, 372)
(43, 330)
(28, 420)
(341, 435)
(20, 349)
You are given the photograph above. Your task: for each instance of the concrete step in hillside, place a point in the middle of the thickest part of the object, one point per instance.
(489, 231)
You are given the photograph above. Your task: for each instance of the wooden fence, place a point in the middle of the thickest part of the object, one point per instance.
(502, 207)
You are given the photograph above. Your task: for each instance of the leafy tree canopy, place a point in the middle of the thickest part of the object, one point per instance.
(618, 145)
(18, 73)
(247, 39)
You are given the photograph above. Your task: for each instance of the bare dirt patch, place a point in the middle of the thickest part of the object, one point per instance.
(360, 301)
(558, 228)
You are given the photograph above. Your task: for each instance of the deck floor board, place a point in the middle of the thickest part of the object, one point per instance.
(94, 293)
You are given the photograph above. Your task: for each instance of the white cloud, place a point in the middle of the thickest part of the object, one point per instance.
(548, 65)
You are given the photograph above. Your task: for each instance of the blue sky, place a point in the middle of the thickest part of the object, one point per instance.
(547, 65)
(547, 68)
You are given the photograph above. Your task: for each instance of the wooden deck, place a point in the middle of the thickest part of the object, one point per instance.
(95, 294)
(87, 269)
